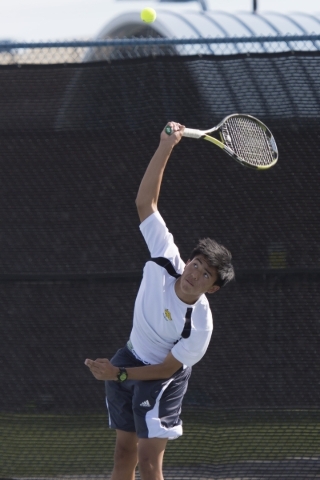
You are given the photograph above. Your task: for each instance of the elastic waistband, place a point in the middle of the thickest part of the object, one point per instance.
(130, 347)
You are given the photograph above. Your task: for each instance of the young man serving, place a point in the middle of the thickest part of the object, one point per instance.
(172, 325)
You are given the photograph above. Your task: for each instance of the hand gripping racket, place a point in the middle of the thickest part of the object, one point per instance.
(243, 137)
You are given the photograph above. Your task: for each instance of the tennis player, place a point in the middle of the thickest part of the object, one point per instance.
(147, 379)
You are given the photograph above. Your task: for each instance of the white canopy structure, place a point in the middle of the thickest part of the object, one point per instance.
(184, 23)
(188, 22)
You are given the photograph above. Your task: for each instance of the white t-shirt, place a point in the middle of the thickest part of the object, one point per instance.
(159, 315)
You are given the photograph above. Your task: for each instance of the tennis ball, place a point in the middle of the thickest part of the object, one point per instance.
(148, 15)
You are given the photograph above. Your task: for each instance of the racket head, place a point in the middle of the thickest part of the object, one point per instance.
(247, 140)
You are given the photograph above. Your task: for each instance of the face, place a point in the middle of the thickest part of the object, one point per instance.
(198, 278)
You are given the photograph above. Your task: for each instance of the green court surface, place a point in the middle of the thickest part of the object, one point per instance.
(49, 445)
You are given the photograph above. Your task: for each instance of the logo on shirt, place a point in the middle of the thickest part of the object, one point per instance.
(167, 315)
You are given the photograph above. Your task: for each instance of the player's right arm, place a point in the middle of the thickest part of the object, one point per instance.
(149, 190)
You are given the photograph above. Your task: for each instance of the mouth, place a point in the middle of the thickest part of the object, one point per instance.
(189, 282)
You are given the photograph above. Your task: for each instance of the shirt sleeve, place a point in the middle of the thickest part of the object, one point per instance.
(189, 351)
(160, 241)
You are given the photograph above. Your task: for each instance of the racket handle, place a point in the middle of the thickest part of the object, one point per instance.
(192, 133)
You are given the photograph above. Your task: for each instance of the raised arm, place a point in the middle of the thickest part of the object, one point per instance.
(149, 190)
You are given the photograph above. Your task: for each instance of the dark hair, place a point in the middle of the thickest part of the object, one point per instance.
(217, 256)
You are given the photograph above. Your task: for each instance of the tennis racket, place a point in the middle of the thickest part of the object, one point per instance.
(243, 137)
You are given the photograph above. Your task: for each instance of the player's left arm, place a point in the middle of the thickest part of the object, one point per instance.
(102, 369)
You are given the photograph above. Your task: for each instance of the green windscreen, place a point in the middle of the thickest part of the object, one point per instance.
(75, 141)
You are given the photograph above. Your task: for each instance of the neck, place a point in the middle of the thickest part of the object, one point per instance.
(190, 300)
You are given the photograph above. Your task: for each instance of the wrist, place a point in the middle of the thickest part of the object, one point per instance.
(115, 373)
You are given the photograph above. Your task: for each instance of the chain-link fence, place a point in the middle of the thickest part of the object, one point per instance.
(75, 139)
(123, 48)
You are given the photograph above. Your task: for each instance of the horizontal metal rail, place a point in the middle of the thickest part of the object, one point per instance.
(118, 42)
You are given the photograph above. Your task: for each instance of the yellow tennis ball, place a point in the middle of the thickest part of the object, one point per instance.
(148, 15)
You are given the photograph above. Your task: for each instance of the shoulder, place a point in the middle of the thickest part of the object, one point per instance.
(160, 241)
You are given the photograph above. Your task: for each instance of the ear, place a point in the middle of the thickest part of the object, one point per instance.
(213, 289)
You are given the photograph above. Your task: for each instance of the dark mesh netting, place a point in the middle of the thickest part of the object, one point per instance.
(75, 141)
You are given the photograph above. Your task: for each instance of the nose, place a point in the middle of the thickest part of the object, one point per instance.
(194, 275)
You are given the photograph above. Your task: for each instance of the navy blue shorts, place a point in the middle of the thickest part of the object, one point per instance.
(150, 408)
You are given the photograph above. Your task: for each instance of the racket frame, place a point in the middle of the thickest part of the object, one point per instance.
(204, 134)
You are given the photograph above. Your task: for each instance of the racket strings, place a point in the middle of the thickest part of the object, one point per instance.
(248, 140)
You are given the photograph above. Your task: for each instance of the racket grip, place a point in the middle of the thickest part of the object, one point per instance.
(192, 133)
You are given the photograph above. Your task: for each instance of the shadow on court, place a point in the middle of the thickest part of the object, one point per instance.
(291, 469)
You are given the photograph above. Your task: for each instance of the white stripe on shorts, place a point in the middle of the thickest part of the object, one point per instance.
(109, 417)
(155, 428)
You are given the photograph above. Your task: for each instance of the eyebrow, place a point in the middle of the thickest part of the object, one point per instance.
(208, 271)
